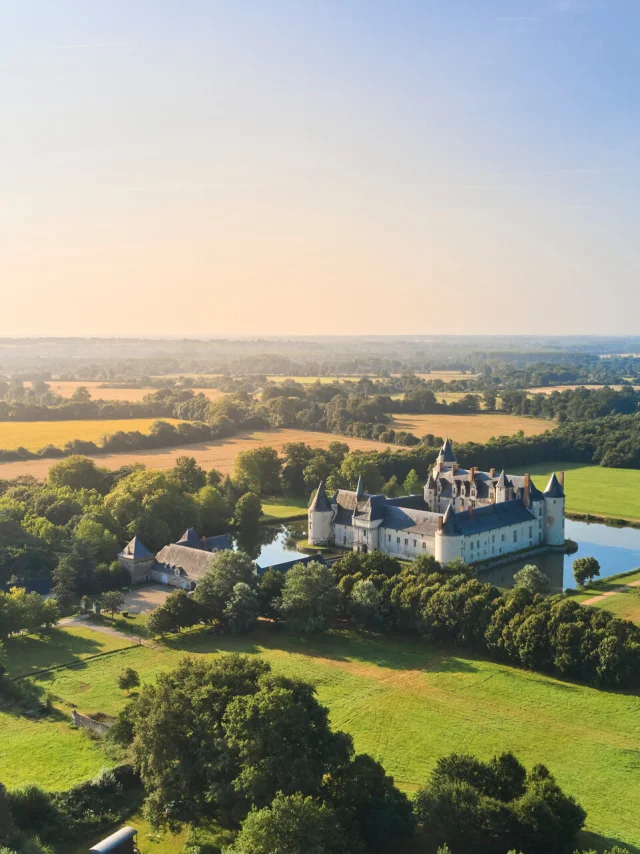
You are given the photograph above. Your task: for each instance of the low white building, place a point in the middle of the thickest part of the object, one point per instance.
(462, 513)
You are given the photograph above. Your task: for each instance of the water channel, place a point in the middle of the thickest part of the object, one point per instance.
(616, 549)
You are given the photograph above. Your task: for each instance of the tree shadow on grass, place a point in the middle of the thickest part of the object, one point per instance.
(30, 654)
(588, 841)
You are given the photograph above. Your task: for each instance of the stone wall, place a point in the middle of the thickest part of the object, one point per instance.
(83, 721)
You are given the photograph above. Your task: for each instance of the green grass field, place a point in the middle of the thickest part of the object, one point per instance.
(34, 435)
(594, 489)
(403, 702)
(277, 507)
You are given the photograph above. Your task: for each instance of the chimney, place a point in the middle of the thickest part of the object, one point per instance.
(439, 523)
(454, 468)
(527, 488)
(492, 473)
(439, 465)
(470, 510)
(561, 478)
(472, 473)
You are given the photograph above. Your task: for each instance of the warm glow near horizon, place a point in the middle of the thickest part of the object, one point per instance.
(280, 167)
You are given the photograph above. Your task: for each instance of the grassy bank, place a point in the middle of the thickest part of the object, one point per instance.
(403, 702)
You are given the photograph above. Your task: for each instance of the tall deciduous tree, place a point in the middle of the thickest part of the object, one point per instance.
(216, 586)
(259, 468)
(310, 597)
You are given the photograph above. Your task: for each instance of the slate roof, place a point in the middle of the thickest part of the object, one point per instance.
(191, 562)
(219, 543)
(486, 518)
(554, 489)
(410, 520)
(320, 503)
(503, 481)
(136, 549)
(190, 538)
(446, 453)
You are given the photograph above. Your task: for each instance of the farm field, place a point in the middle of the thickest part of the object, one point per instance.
(130, 395)
(594, 489)
(547, 389)
(34, 435)
(470, 428)
(219, 454)
(403, 702)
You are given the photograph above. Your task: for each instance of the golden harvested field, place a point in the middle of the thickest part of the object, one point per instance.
(547, 389)
(218, 454)
(470, 428)
(131, 395)
(446, 376)
(34, 435)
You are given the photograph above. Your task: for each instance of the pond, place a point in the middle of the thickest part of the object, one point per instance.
(615, 549)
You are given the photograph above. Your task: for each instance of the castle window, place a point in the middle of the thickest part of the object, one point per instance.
(415, 543)
(389, 538)
(398, 540)
(515, 536)
(424, 545)
(530, 531)
(478, 544)
(406, 542)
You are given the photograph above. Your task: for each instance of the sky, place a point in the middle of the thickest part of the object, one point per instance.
(269, 167)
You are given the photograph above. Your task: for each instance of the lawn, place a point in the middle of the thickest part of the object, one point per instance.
(34, 435)
(594, 489)
(403, 702)
(276, 508)
(30, 653)
(470, 428)
(625, 605)
(148, 840)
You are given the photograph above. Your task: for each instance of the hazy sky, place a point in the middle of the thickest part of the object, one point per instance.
(319, 166)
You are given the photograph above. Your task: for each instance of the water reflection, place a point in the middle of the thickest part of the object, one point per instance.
(615, 549)
(273, 544)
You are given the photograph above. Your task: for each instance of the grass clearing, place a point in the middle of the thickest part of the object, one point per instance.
(402, 701)
(34, 435)
(276, 508)
(65, 645)
(149, 841)
(593, 489)
(470, 428)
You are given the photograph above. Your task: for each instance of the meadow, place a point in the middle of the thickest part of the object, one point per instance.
(470, 428)
(547, 389)
(403, 702)
(34, 435)
(594, 489)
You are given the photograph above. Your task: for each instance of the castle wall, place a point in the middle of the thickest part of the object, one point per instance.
(406, 545)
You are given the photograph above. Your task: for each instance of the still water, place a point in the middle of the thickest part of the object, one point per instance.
(616, 550)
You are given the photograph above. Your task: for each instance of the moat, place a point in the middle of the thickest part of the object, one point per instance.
(616, 549)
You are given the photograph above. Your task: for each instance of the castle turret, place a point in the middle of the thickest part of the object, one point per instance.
(320, 518)
(430, 493)
(360, 489)
(504, 488)
(137, 558)
(448, 539)
(554, 500)
(446, 459)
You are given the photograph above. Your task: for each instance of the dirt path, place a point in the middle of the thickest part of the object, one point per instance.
(613, 592)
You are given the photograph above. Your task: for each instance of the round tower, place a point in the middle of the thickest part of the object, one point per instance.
(430, 493)
(554, 511)
(448, 539)
(320, 518)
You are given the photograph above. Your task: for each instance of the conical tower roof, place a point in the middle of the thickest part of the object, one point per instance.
(503, 481)
(554, 488)
(320, 503)
(360, 488)
(446, 454)
(191, 539)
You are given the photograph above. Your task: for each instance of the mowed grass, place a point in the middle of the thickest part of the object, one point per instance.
(276, 507)
(470, 428)
(65, 645)
(594, 489)
(402, 701)
(148, 841)
(34, 435)
(625, 605)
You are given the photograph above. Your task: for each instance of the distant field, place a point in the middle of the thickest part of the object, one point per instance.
(219, 454)
(34, 435)
(131, 395)
(447, 376)
(470, 428)
(547, 389)
(594, 489)
(402, 701)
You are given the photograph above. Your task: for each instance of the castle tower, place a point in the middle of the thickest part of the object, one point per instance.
(446, 459)
(137, 558)
(554, 511)
(448, 539)
(320, 518)
(504, 488)
(430, 493)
